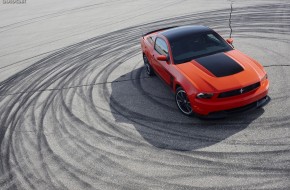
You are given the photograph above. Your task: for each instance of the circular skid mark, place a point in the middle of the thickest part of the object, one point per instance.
(70, 122)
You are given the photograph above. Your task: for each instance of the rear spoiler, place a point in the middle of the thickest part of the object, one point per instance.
(159, 30)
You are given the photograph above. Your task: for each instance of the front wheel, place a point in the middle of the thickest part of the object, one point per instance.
(182, 102)
(148, 67)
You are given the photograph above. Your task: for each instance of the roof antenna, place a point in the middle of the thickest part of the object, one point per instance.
(230, 21)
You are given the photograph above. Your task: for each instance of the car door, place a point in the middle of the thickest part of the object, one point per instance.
(162, 67)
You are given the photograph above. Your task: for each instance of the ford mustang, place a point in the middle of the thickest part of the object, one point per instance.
(208, 76)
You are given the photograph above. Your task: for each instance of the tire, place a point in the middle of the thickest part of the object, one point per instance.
(182, 102)
(148, 68)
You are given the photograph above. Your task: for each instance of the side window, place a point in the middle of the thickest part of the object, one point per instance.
(161, 47)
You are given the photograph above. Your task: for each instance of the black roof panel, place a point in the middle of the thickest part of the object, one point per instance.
(181, 31)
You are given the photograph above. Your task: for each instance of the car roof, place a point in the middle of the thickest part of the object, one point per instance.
(177, 32)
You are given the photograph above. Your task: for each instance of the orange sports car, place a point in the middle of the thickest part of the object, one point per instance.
(209, 77)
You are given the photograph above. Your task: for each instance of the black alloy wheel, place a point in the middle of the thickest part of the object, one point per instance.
(183, 102)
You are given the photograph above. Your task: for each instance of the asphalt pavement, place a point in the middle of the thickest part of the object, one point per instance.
(77, 110)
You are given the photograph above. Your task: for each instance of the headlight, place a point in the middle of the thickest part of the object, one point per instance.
(204, 95)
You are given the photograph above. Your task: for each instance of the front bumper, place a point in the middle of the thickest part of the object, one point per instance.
(225, 113)
(227, 106)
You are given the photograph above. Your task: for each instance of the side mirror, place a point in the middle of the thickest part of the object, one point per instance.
(230, 40)
(162, 58)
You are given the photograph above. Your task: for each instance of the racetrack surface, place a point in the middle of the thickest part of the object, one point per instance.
(86, 116)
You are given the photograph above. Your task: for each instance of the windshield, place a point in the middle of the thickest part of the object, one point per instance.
(194, 46)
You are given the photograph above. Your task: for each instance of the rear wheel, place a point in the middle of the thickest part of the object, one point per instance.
(148, 67)
(182, 102)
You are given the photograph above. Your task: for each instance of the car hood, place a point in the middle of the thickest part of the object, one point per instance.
(222, 71)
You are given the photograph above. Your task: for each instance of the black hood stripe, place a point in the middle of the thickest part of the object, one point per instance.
(220, 65)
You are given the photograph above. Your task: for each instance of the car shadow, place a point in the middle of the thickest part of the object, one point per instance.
(148, 104)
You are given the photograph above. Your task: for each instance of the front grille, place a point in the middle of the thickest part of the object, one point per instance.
(239, 91)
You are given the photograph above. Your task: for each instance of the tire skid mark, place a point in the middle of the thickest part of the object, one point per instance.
(65, 124)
